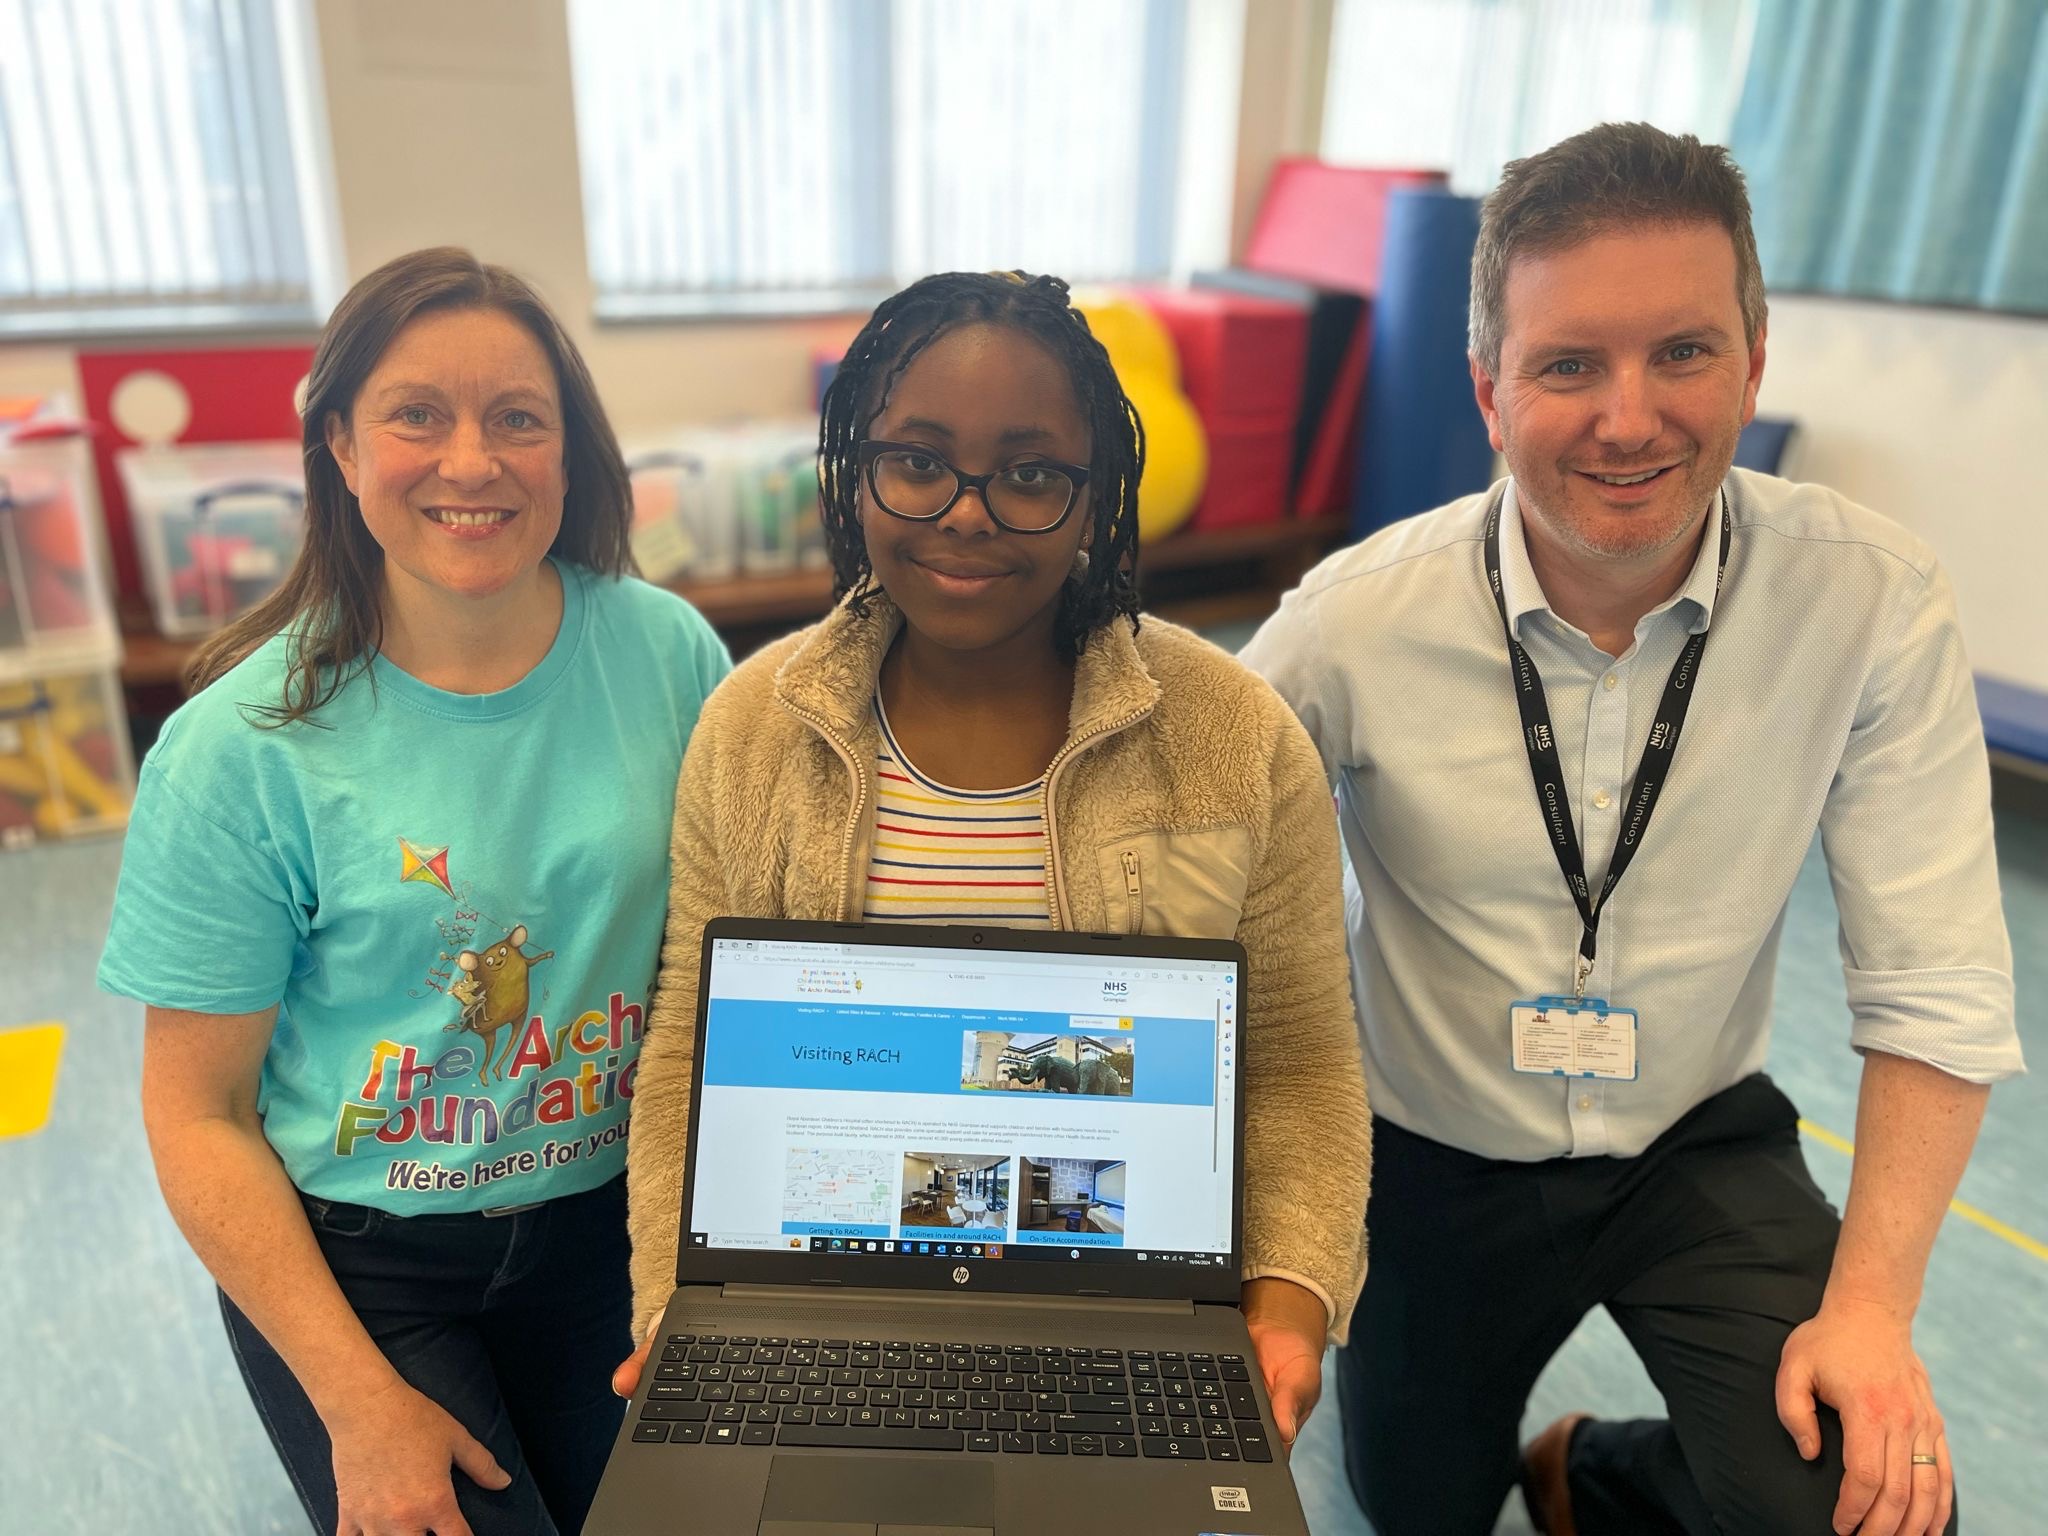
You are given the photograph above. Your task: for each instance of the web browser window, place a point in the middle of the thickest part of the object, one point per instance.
(937, 1102)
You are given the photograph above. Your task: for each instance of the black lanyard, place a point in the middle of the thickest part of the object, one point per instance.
(1541, 742)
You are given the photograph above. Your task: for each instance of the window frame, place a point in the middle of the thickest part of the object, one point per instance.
(299, 175)
(1172, 40)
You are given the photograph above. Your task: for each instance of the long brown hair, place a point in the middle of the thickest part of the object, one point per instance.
(329, 602)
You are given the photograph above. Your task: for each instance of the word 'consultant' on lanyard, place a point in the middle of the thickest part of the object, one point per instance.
(1541, 742)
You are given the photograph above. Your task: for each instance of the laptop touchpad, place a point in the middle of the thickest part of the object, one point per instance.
(817, 1495)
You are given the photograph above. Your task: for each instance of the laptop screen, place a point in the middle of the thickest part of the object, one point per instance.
(882, 1100)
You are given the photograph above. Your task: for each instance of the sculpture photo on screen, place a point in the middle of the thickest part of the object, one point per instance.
(1047, 1063)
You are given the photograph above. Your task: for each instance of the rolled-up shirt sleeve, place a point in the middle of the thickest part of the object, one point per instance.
(1908, 836)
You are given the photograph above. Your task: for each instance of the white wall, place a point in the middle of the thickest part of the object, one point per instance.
(453, 122)
(1938, 419)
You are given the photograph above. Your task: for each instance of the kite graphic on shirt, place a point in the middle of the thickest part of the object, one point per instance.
(427, 865)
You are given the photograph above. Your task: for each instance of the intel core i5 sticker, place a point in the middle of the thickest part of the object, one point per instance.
(1235, 1500)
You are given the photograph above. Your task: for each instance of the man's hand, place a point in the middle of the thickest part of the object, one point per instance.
(1288, 1325)
(392, 1455)
(1858, 1358)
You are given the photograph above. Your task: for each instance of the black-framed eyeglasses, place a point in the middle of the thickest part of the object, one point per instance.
(910, 481)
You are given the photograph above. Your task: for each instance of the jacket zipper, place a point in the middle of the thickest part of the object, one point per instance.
(860, 803)
(1054, 879)
(1133, 893)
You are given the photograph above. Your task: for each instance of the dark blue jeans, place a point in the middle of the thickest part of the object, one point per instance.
(513, 1323)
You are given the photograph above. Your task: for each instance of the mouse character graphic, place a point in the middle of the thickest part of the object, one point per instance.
(494, 991)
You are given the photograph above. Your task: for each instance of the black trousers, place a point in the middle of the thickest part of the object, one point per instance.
(1707, 1250)
(512, 1323)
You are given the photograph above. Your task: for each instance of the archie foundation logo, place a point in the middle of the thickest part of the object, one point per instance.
(961, 1274)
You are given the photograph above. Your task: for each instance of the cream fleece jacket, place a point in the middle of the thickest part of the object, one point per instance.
(1187, 800)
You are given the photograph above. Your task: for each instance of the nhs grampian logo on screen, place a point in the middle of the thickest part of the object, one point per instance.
(1115, 991)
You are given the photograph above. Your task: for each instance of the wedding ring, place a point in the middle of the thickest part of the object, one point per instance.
(1922, 1459)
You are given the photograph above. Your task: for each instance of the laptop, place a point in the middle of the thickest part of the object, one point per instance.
(960, 1245)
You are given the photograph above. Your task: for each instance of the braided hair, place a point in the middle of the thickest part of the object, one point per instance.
(902, 327)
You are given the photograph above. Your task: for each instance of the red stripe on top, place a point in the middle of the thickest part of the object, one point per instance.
(886, 880)
(883, 826)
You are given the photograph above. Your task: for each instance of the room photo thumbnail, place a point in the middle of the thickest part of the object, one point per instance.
(962, 1194)
(1074, 1200)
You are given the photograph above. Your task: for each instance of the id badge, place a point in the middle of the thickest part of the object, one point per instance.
(1574, 1037)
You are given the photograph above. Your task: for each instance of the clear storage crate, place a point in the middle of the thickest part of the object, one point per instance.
(777, 499)
(712, 501)
(218, 525)
(66, 766)
(54, 607)
(683, 525)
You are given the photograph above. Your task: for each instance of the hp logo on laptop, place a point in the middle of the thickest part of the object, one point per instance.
(960, 1274)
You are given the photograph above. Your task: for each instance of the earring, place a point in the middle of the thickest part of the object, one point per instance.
(1081, 562)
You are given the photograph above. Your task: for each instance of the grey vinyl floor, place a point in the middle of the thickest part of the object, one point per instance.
(120, 1409)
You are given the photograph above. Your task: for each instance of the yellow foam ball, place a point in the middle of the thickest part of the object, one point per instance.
(1176, 455)
(1134, 338)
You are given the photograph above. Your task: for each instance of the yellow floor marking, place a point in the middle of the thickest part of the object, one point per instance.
(1828, 1138)
(28, 1076)
(1962, 1208)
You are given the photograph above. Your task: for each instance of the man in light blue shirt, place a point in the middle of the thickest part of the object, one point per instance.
(1631, 670)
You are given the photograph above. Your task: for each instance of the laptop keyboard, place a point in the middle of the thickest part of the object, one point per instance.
(906, 1395)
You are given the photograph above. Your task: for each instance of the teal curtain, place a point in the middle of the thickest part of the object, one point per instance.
(1898, 149)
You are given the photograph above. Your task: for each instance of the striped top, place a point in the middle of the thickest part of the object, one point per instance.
(945, 855)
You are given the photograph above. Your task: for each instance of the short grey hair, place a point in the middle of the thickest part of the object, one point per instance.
(1614, 176)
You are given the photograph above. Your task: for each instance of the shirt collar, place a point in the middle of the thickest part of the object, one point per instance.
(1523, 594)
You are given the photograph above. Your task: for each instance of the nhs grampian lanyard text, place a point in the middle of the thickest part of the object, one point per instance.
(1541, 742)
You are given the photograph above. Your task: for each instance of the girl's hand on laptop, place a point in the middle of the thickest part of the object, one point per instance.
(1288, 1325)
(626, 1379)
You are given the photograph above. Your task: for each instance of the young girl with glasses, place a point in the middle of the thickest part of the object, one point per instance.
(983, 731)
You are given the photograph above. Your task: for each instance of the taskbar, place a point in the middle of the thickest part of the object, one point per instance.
(947, 1249)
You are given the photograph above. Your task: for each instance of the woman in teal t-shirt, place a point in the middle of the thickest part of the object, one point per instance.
(393, 894)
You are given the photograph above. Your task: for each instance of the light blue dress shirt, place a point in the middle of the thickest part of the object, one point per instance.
(1833, 693)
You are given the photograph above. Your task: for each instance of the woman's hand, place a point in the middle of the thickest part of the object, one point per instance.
(392, 1452)
(1288, 1325)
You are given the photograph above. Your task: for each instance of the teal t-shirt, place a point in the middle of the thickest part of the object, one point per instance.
(457, 902)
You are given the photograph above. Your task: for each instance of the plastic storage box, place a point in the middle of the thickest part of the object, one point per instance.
(715, 501)
(66, 766)
(682, 514)
(54, 607)
(218, 526)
